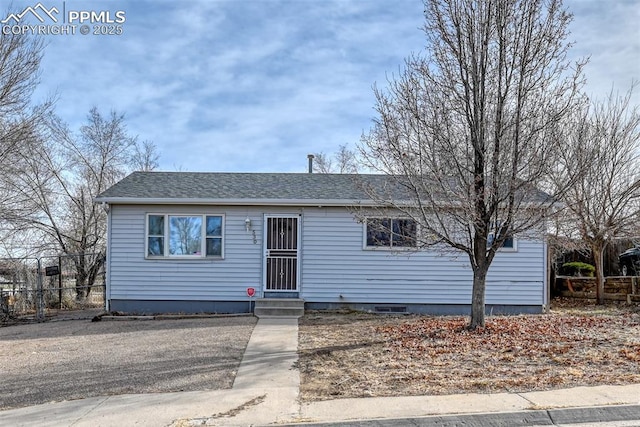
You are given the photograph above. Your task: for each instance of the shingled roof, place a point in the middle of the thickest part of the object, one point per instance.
(260, 189)
(238, 188)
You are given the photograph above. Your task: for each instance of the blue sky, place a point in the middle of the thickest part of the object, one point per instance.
(255, 85)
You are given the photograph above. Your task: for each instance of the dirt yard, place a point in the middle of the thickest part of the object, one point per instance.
(357, 355)
(71, 359)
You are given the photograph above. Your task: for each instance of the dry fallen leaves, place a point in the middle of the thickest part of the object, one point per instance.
(355, 355)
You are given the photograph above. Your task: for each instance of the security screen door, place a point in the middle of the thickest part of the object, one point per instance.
(281, 253)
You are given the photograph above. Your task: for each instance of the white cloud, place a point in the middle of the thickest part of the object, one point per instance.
(255, 85)
(607, 32)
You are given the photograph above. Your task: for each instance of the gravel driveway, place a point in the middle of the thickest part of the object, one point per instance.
(74, 359)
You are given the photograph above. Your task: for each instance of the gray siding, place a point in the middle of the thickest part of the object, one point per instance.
(134, 277)
(334, 266)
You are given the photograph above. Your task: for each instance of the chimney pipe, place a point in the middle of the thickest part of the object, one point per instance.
(310, 157)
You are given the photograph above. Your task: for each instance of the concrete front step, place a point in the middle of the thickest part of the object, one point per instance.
(279, 307)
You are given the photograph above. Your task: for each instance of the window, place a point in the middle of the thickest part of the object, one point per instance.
(214, 236)
(391, 233)
(155, 235)
(184, 235)
(509, 242)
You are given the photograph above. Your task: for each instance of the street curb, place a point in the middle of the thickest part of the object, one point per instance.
(500, 419)
(595, 414)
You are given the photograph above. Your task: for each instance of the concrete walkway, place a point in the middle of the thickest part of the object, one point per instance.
(266, 390)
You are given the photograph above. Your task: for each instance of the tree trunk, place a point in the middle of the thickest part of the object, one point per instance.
(81, 278)
(81, 281)
(477, 297)
(598, 258)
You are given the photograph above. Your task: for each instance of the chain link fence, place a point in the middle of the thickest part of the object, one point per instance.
(40, 287)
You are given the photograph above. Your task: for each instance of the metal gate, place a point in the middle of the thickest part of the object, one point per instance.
(281, 253)
(42, 287)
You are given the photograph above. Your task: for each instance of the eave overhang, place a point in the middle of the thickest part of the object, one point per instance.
(233, 202)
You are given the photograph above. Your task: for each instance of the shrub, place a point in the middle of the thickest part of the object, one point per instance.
(579, 268)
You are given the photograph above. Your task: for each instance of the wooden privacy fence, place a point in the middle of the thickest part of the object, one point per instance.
(616, 288)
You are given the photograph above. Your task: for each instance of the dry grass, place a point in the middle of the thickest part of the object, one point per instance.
(356, 355)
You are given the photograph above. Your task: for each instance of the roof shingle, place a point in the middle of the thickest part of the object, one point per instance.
(237, 186)
(264, 188)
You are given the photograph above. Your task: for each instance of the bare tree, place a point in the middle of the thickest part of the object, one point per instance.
(20, 57)
(61, 180)
(145, 157)
(470, 132)
(343, 161)
(604, 202)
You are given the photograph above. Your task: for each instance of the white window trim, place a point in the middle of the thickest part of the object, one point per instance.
(203, 242)
(389, 248)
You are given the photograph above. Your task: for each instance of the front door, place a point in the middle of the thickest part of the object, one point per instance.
(281, 253)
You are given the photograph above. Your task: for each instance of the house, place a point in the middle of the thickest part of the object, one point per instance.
(195, 242)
